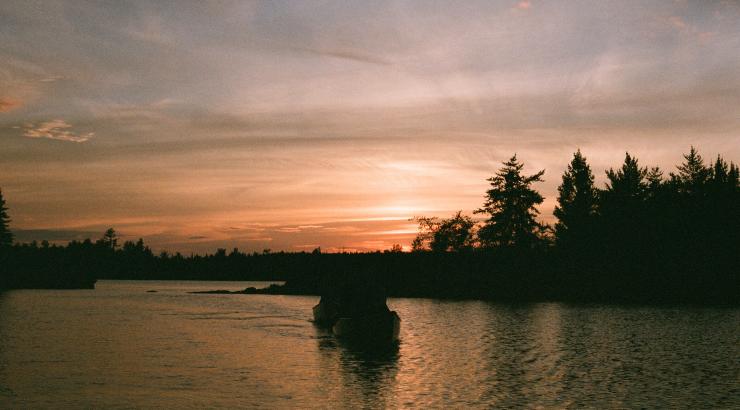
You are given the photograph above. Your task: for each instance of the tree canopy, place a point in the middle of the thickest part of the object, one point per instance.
(577, 200)
(6, 236)
(447, 235)
(511, 208)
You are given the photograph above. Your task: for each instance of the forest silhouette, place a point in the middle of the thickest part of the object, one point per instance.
(645, 237)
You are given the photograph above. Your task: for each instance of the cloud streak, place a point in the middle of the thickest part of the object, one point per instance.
(345, 54)
(56, 130)
(7, 104)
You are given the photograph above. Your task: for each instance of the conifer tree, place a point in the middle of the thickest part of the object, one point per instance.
(723, 177)
(577, 200)
(510, 204)
(733, 177)
(109, 239)
(692, 174)
(720, 171)
(654, 181)
(628, 182)
(6, 236)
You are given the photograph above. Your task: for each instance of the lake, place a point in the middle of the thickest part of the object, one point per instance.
(120, 346)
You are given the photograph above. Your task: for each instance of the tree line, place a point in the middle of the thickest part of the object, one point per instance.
(697, 203)
(644, 236)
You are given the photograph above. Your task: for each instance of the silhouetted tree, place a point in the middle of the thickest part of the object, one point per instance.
(510, 204)
(623, 217)
(427, 227)
(109, 239)
(723, 178)
(577, 201)
(446, 235)
(655, 182)
(692, 174)
(6, 236)
(733, 176)
(454, 234)
(396, 248)
(627, 183)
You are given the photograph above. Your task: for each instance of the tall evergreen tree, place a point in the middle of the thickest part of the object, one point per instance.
(577, 200)
(692, 174)
(628, 182)
(6, 236)
(723, 178)
(733, 177)
(654, 181)
(720, 171)
(510, 204)
(109, 239)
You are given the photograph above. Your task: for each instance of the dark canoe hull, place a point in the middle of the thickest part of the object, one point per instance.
(324, 314)
(376, 328)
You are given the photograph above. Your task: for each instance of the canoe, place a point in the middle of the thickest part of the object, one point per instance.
(325, 314)
(379, 327)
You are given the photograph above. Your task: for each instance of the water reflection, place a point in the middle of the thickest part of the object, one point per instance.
(367, 372)
(119, 346)
(522, 355)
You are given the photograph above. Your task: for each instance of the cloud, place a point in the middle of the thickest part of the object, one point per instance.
(523, 5)
(677, 22)
(7, 104)
(346, 54)
(52, 79)
(56, 130)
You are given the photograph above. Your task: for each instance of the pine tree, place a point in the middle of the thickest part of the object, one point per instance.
(6, 236)
(577, 200)
(109, 239)
(692, 174)
(723, 177)
(510, 203)
(720, 171)
(733, 177)
(628, 182)
(654, 181)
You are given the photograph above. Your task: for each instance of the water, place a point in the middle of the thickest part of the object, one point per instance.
(121, 347)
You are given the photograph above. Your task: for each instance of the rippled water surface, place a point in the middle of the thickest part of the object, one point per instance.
(121, 346)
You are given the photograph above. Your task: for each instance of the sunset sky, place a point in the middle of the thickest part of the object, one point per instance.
(296, 124)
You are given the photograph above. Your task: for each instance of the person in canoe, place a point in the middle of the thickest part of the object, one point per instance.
(357, 306)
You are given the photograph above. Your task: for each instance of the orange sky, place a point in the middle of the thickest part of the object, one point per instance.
(291, 125)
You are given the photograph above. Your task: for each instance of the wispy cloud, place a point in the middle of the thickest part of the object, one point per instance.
(523, 5)
(56, 130)
(677, 22)
(52, 79)
(7, 104)
(346, 54)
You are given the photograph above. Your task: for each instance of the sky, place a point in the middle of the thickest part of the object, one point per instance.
(296, 124)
